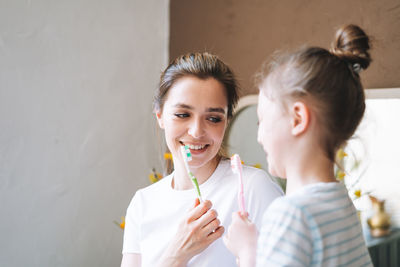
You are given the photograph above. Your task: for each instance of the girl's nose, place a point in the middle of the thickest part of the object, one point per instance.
(196, 128)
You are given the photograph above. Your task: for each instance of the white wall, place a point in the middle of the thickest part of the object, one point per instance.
(76, 129)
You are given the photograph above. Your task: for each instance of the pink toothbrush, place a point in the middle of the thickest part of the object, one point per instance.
(236, 165)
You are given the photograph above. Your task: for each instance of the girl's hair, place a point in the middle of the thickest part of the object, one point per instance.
(202, 66)
(329, 81)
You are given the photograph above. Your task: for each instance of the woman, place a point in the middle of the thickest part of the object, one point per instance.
(165, 223)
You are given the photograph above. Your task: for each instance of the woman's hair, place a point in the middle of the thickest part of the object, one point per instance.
(329, 81)
(202, 66)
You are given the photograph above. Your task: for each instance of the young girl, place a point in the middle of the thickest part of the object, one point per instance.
(310, 103)
(193, 106)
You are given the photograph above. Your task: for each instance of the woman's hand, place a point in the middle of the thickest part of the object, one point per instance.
(196, 232)
(241, 239)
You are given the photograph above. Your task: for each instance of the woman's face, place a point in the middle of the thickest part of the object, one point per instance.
(273, 131)
(195, 114)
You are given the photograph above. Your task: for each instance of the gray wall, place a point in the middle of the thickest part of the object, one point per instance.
(77, 136)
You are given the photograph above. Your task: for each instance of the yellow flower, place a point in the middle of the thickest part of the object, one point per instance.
(154, 177)
(341, 154)
(357, 193)
(122, 224)
(340, 175)
(168, 156)
(257, 165)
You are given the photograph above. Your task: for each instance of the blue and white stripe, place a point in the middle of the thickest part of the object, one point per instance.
(316, 226)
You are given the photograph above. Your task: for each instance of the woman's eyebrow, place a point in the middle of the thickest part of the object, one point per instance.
(218, 110)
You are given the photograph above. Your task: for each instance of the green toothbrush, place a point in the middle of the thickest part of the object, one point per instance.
(187, 156)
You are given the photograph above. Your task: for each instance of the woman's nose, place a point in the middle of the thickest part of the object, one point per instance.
(196, 128)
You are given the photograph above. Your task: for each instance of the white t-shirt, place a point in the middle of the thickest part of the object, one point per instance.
(316, 226)
(155, 212)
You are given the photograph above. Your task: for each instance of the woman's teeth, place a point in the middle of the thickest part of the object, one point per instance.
(194, 147)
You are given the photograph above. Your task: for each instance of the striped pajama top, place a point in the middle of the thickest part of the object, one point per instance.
(315, 226)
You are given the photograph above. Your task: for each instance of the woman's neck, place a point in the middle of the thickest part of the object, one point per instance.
(181, 180)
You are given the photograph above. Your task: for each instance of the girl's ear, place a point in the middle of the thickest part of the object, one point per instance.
(160, 119)
(300, 118)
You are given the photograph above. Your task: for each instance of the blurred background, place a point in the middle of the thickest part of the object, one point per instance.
(77, 133)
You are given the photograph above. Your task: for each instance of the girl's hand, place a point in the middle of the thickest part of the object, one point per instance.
(241, 239)
(197, 231)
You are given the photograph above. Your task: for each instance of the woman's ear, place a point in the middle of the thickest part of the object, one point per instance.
(300, 118)
(160, 119)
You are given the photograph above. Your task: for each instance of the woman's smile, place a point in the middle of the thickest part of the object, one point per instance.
(195, 148)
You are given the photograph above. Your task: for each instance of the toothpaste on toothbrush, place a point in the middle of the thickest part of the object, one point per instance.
(236, 165)
(187, 156)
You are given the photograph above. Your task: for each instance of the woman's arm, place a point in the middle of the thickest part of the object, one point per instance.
(131, 260)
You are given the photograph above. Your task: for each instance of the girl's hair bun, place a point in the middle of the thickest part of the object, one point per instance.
(352, 44)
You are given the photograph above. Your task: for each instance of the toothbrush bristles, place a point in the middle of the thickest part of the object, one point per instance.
(188, 154)
(236, 163)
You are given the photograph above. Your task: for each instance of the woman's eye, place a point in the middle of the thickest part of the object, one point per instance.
(181, 115)
(214, 119)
